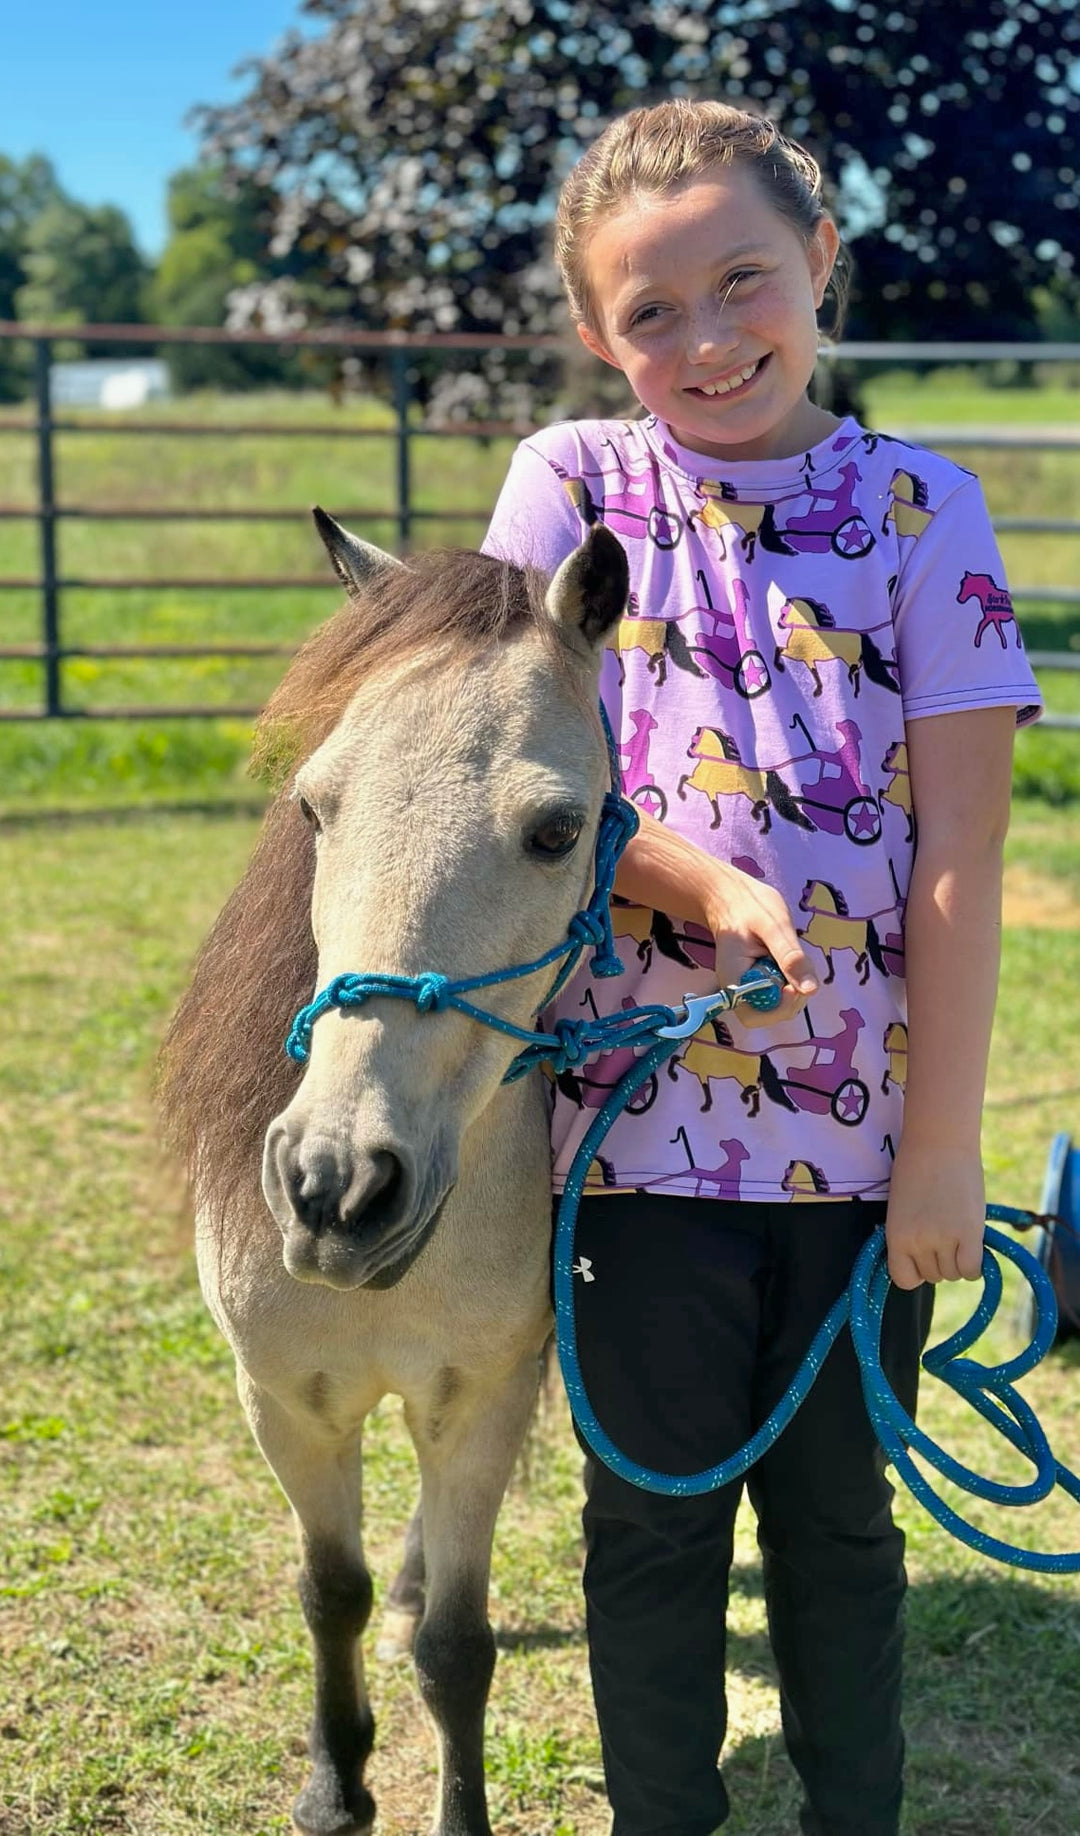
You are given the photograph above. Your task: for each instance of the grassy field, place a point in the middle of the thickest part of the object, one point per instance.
(154, 1675)
(154, 1669)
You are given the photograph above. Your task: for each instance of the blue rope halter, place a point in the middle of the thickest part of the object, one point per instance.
(988, 1388)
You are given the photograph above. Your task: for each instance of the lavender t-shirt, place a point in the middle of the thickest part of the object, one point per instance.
(787, 619)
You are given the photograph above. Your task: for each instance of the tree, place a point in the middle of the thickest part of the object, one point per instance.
(217, 251)
(26, 188)
(415, 153)
(81, 266)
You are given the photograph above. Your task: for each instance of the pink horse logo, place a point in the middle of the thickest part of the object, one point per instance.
(994, 603)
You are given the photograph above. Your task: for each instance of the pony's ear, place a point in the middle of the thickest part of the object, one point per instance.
(589, 592)
(357, 564)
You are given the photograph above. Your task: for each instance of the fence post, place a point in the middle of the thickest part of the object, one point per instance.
(399, 366)
(50, 591)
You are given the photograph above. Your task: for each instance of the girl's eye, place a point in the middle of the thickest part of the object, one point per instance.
(556, 836)
(309, 814)
(742, 274)
(644, 317)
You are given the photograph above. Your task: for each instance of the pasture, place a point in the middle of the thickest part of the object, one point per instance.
(154, 1667)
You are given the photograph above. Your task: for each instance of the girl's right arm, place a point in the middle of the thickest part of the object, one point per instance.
(664, 872)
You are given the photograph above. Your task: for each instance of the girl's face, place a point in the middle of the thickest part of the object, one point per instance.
(706, 298)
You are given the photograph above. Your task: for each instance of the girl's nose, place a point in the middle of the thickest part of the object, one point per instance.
(710, 334)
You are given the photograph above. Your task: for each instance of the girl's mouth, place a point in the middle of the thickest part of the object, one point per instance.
(735, 385)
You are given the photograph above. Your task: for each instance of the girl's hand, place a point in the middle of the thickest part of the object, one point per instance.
(749, 920)
(937, 1215)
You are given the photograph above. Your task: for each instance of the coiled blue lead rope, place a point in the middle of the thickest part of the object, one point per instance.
(988, 1388)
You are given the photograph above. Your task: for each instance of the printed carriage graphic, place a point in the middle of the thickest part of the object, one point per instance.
(828, 792)
(828, 1084)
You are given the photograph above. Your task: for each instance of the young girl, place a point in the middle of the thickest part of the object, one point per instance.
(819, 648)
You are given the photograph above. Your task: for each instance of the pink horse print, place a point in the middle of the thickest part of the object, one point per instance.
(995, 605)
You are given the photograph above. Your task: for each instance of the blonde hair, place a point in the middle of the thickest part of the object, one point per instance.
(652, 150)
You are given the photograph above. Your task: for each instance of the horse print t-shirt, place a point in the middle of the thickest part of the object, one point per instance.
(787, 618)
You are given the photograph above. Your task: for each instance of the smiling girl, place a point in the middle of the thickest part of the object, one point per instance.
(807, 667)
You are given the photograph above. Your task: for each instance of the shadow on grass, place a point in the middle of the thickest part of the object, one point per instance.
(991, 1708)
(126, 814)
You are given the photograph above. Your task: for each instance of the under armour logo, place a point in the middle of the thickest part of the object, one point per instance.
(583, 1267)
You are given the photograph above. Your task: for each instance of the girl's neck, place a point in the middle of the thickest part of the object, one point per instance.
(803, 428)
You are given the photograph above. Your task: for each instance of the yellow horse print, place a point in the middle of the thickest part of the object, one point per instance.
(720, 772)
(814, 637)
(805, 1182)
(908, 510)
(832, 928)
(708, 1059)
(895, 1043)
(898, 789)
(753, 523)
(659, 638)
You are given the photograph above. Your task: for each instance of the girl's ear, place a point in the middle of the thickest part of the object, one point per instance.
(821, 253)
(594, 344)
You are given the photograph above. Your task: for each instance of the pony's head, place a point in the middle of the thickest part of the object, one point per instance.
(455, 808)
(442, 819)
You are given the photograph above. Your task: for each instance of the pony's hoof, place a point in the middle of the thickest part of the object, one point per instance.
(322, 1809)
(397, 1635)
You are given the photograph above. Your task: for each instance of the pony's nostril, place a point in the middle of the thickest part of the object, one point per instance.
(373, 1192)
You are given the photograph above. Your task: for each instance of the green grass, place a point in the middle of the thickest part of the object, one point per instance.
(154, 1670)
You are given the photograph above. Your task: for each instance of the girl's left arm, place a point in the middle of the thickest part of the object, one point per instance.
(961, 770)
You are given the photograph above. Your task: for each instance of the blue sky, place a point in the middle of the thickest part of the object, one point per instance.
(102, 88)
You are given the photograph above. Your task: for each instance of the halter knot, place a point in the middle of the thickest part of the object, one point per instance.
(433, 993)
(574, 1043)
(586, 928)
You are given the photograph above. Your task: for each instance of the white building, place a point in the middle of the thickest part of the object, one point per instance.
(109, 382)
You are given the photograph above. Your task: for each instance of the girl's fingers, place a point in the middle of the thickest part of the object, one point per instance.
(788, 954)
(903, 1271)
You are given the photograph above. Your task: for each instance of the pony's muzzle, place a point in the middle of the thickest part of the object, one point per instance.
(347, 1215)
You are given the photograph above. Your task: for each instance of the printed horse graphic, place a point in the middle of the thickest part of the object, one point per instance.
(815, 638)
(805, 1182)
(898, 789)
(895, 1043)
(720, 772)
(995, 604)
(659, 638)
(832, 928)
(908, 510)
(755, 523)
(710, 1060)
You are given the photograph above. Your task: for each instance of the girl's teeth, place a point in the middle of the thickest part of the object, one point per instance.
(733, 382)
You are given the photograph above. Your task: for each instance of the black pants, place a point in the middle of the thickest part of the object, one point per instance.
(696, 1315)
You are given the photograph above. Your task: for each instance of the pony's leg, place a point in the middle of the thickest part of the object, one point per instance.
(321, 1480)
(405, 1601)
(465, 1462)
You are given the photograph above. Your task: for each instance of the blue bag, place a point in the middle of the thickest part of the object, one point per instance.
(1058, 1245)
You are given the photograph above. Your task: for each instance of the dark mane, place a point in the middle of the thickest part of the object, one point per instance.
(223, 1072)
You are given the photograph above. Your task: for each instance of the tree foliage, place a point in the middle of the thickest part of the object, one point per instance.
(415, 153)
(82, 266)
(27, 188)
(216, 253)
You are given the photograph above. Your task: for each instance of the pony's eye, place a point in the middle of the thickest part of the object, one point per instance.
(556, 836)
(309, 814)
